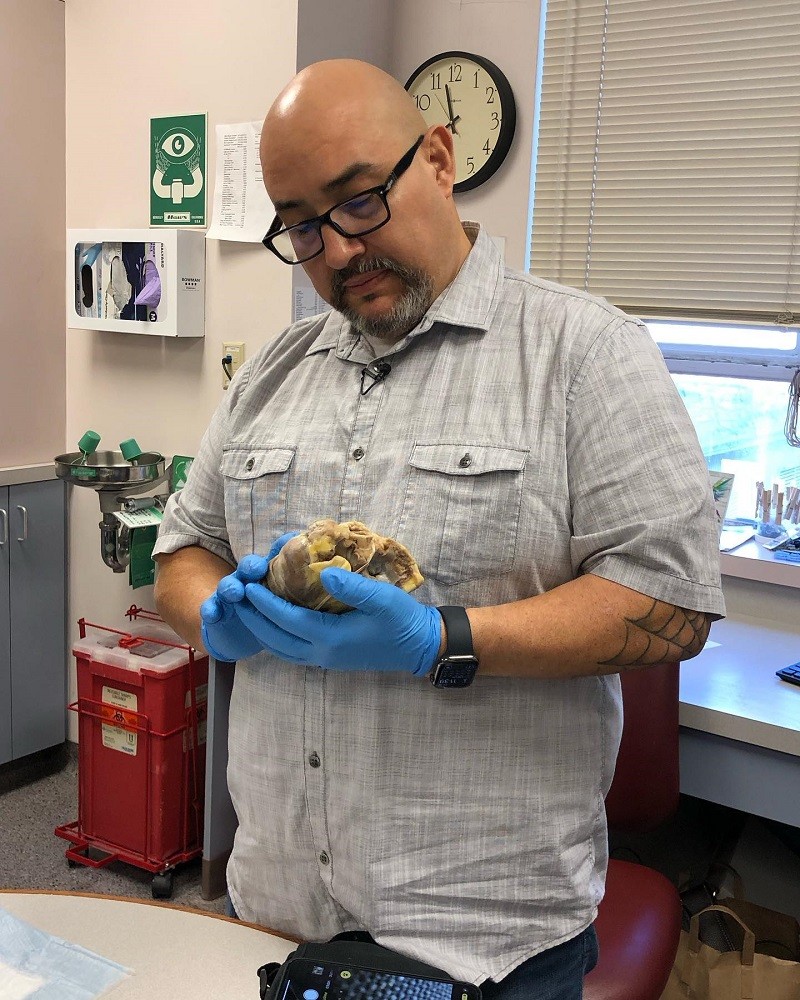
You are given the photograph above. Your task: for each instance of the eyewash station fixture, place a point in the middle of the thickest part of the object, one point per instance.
(118, 477)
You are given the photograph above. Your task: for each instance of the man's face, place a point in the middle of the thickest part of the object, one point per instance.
(382, 282)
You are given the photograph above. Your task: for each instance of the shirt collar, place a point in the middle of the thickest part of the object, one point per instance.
(467, 302)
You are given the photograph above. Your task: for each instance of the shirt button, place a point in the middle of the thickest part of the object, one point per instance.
(249, 464)
(314, 760)
(465, 461)
(358, 454)
(324, 859)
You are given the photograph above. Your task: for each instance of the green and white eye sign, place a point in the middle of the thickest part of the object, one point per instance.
(178, 171)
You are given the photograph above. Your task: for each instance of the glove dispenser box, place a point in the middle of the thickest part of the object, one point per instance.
(149, 281)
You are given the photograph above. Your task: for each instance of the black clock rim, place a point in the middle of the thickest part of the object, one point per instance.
(508, 126)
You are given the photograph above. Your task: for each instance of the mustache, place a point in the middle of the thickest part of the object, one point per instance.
(364, 267)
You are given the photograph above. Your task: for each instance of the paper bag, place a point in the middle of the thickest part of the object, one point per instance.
(701, 972)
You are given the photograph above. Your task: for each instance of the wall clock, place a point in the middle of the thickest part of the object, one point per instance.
(472, 97)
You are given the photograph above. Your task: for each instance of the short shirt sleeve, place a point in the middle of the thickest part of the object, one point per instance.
(642, 505)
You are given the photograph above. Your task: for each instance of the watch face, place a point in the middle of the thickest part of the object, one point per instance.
(454, 672)
(473, 99)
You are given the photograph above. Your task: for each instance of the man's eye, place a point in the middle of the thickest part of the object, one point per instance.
(362, 207)
(304, 231)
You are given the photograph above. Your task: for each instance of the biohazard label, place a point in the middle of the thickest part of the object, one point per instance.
(201, 700)
(118, 707)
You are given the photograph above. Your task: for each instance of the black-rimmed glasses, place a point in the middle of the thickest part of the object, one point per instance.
(363, 213)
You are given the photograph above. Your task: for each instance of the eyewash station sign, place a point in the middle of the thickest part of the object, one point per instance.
(178, 170)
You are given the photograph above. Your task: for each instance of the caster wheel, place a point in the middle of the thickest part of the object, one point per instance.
(162, 885)
(71, 863)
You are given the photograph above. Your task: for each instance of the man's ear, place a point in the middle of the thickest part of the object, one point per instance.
(442, 157)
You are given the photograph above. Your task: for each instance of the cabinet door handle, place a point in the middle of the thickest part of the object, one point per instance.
(4, 535)
(24, 512)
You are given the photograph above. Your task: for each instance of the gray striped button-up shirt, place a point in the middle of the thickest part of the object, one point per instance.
(526, 434)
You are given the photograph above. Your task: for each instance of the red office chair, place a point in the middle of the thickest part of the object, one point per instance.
(639, 921)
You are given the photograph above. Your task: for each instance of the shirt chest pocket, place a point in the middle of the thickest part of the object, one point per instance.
(256, 496)
(460, 514)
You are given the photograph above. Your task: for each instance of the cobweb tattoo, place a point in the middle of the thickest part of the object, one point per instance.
(665, 633)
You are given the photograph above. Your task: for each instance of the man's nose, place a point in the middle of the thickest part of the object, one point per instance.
(340, 250)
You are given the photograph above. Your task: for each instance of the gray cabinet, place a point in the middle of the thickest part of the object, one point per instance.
(33, 626)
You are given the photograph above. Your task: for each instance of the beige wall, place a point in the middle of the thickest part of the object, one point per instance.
(351, 29)
(125, 66)
(32, 389)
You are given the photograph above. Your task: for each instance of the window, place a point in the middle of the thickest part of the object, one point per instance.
(739, 418)
(740, 427)
(668, 164)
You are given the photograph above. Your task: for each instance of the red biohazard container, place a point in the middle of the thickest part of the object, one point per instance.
(142, 700)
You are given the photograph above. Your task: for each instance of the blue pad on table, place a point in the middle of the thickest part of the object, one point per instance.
(38, 965)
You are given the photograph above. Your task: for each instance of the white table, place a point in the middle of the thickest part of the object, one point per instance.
(175, 953)
(740, 724)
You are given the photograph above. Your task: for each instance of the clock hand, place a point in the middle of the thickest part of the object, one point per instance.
(449, 101)
(452, 123)
(453, 118)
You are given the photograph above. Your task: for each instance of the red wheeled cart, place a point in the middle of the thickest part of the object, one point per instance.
(142, 699)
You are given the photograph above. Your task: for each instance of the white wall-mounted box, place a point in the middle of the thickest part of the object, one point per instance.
(149, 281)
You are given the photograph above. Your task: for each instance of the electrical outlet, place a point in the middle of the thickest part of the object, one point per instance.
(234, 348)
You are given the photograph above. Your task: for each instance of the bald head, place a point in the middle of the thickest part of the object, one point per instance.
(328, 99)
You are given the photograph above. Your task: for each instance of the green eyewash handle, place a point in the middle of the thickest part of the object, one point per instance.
(89, 442)
(130, 450)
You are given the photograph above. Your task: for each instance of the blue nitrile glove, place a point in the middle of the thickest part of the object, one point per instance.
(224, 635)
(387, 630)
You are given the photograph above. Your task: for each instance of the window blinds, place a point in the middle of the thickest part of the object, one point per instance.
(668, 173)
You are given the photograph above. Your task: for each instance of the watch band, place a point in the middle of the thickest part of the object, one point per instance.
(459, 633)
(457, 665)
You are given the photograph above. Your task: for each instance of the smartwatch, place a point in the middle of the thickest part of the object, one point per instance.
(457, 666)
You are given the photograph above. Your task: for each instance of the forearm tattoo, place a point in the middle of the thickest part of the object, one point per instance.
(665, 634)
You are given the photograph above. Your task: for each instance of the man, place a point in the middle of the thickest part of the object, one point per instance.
(525, 441)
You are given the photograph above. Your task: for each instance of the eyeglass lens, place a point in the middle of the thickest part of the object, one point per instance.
(355, 217)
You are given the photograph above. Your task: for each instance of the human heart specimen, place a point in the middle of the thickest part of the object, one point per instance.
(294, 572)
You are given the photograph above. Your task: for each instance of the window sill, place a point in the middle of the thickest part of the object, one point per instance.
(753, 562)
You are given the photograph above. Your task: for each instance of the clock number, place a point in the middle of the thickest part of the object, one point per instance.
(495, 120)
(476, 78)
(455, 73)
(436, 82)
(471, 164)
(490, 95)
(485, 147)
(423, 101)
